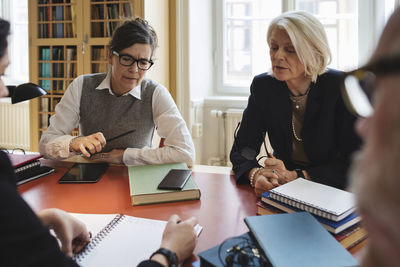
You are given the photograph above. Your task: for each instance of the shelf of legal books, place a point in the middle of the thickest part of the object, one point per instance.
(98, 58)
(106, 14)
(57, 19)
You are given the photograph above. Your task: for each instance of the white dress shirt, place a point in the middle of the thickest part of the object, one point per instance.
(178, 144)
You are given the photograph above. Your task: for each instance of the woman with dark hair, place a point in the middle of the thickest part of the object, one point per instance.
(25, 239)
(108, 104)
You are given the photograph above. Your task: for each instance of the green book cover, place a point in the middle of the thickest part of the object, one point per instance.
(143, 182)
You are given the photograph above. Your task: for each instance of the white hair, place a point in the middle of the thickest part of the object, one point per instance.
(308, 38)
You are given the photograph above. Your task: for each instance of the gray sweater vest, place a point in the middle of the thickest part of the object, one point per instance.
(113, 115)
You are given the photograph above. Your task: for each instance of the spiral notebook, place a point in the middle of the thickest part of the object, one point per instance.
(120, 240)
(319, 199)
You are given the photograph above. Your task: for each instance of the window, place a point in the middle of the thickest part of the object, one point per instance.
(16, 12)
(241, 47)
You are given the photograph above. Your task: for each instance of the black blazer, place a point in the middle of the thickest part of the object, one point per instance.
(328, 132)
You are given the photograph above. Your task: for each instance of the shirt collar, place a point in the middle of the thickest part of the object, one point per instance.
(106, 84)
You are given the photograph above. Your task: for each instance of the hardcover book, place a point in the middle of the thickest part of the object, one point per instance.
(297, 239)
(332, 226)
(143, 182)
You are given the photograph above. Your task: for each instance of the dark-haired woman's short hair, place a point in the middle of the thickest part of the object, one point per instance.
(4, 32)
(133, 31)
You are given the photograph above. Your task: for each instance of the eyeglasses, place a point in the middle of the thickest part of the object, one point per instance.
(358, 85)
(128, 60)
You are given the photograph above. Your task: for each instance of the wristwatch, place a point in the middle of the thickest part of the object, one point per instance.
(169, 255)
(299, 173)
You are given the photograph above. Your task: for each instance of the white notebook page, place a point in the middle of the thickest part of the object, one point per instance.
(131, 241)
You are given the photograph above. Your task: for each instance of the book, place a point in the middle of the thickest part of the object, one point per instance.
(27, 167)
(322, 200)
(332, 226)
(19, 160)
(348, 238)
(143, 182)
(120, 240)
(297, 239)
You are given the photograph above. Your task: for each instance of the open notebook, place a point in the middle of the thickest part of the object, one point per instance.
(120, 240)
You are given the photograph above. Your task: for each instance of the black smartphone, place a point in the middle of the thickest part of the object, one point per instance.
(175, 179)
(84, 173)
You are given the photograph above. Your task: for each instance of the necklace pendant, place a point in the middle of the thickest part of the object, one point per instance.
(297, 106)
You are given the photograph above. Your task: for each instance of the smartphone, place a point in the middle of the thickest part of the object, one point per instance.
(175, 179)
(84, 173)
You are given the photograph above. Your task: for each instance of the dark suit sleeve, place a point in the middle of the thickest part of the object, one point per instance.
(335, 172)
(249, 139)
(24, 241)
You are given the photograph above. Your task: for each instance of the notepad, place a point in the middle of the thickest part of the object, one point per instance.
(120, 240)
(322, 200)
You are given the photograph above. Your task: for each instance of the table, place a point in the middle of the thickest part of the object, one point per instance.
(221, 209)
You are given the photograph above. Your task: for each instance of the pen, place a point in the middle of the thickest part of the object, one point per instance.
(118, 136)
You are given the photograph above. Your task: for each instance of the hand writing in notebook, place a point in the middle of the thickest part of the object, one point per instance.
(180, 237)
(71, 232)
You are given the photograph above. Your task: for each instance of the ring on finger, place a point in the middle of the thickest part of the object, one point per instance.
(273, 171)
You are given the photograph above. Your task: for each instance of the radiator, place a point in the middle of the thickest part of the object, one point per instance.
(14, 125)
(231, 118)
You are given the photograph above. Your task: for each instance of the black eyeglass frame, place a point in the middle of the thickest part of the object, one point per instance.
(134, 60)
(381, 67)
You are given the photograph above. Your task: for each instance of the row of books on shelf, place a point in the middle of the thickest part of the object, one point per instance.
(49, 14)
(333, 208)
(57, 53)
(57, 86)
(113, 12)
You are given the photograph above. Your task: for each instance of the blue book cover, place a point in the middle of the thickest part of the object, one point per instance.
(59, 26)
(297, 239)
(332, 226)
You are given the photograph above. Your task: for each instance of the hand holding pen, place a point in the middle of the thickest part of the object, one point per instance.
(92, 144)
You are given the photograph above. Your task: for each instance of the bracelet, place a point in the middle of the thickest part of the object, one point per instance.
(253, 175)
(70, 144)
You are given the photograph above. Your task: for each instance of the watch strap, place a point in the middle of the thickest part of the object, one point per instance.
(300, 173)
(169, 255)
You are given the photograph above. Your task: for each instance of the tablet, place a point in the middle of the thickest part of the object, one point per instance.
(84, 173)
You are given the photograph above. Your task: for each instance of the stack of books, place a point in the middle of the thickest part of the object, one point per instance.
(333, 208)
(144, 180)
(28, 167)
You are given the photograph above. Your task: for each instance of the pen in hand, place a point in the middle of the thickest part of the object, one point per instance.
(120, 135)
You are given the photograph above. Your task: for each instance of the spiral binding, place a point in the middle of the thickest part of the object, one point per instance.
(322, 212)
(27, 166)
(98, 238)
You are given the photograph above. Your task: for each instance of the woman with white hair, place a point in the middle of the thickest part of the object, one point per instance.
(300, 107)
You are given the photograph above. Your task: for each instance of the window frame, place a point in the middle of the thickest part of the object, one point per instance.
(377, 10)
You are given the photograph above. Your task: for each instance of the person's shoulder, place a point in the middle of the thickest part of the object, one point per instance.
(331, 75)
(154, 87)
(149, 83)
(264, 78)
